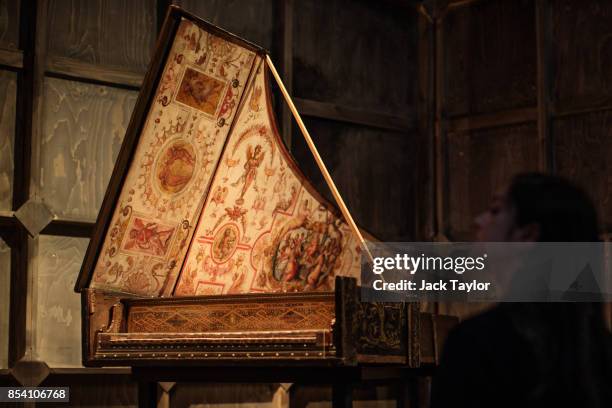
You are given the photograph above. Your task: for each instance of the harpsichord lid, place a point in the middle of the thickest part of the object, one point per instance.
(205, 198)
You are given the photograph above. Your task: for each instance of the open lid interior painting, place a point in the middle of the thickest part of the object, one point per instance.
(205, 199)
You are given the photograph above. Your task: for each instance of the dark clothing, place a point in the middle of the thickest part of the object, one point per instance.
(507, 357)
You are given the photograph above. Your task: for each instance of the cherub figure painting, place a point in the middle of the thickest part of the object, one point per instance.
(224, 246)
(254, 157)
(219, 195)
(148, 237)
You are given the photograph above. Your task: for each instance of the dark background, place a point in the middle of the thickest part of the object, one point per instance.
(420, 110)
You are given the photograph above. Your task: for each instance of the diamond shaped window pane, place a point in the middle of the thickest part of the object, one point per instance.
(35, 215)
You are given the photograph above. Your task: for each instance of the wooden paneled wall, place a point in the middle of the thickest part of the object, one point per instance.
(508, 86)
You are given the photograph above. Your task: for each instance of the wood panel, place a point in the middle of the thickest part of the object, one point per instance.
(251, 19)
(71, 68)
(481, 163)
(582, 53)
(373, 169)
(18, 317)
(8, 87)
(9, 23)
(69, 228)
(11, 58)
(490, 52)
(56, 328)
(340, 113)
(5, 285)
(107, 32)
(425, 176)
(351, 53)
(83, 127)
(583, 149)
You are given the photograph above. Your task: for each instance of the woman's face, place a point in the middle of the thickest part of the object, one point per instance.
(497, 223)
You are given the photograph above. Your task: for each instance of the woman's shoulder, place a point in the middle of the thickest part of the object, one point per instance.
(493, 320)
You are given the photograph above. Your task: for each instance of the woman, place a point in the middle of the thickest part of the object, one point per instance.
(531, 354)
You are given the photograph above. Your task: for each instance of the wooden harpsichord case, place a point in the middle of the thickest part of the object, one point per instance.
(211, 244)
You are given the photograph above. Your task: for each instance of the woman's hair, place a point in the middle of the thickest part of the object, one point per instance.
(569, 341)
(564, 212)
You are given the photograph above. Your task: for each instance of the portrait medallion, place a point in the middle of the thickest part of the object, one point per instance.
(175, 166)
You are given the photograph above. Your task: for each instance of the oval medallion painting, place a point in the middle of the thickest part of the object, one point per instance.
(175, 166)
(225, 243)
